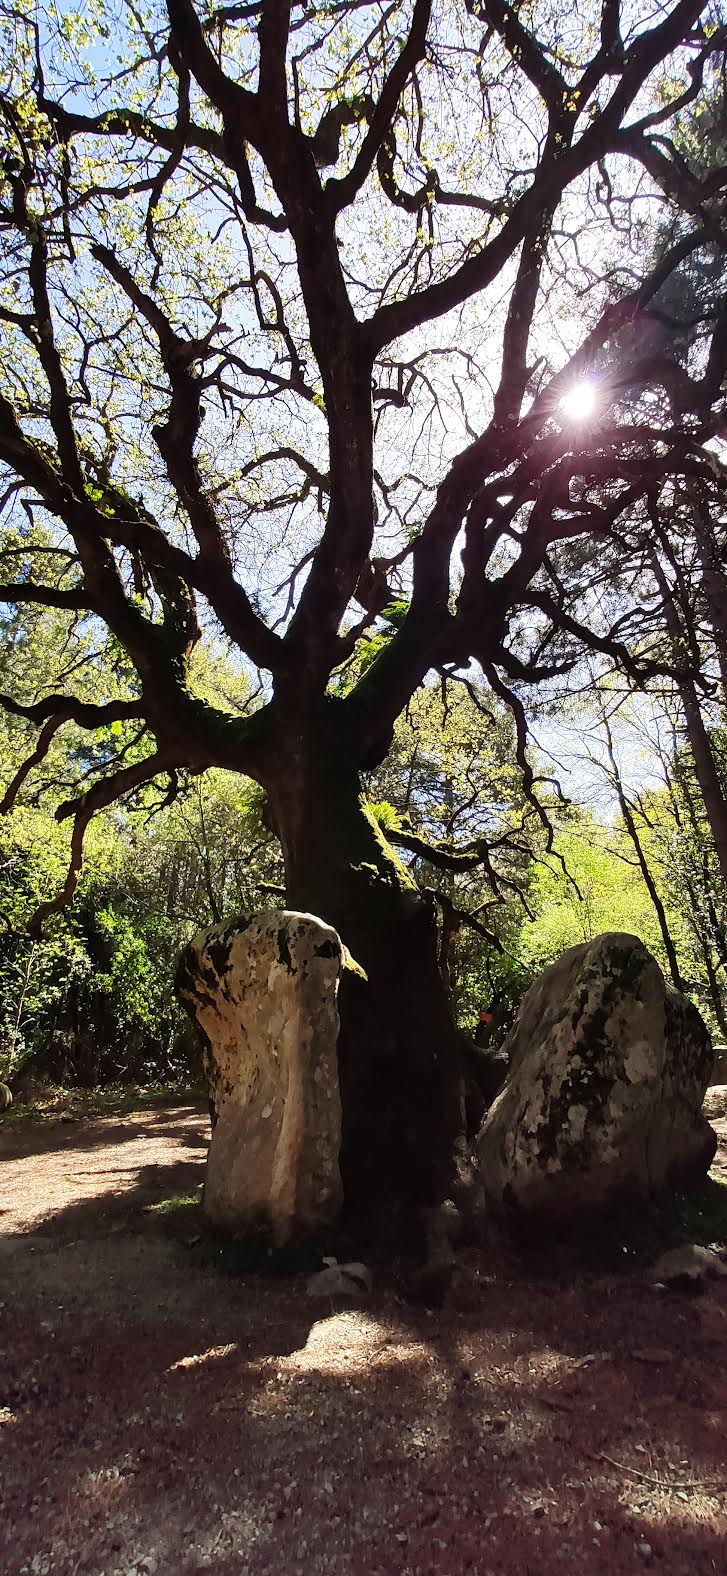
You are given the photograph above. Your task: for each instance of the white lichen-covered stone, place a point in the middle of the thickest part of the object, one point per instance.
(264, 994)
(602, 1102)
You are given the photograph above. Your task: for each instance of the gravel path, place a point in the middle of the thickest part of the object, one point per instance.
(159, 1418)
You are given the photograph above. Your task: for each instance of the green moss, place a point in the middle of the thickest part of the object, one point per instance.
(350, 966)
(388, 868)
(175, 1202)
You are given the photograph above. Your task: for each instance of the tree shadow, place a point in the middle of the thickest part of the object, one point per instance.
(633, 1235)
(151, 1406)
(130, 1201)
(49, 1135)
(385, 1440)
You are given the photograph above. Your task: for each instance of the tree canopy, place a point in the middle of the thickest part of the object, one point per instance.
(383, 347)
(342, 324)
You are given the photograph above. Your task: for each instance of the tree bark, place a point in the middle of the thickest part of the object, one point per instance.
(643, 863)
(714, 585)
(715, 803)
(712, 944)
(400, 1052)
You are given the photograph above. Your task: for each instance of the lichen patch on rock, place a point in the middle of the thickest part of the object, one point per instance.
(602, 1104)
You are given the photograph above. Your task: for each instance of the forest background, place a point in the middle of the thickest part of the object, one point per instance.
(92, 999)
(571, 779)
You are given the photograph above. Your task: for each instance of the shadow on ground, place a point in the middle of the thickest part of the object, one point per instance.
(79, 1132)
(156, 1417)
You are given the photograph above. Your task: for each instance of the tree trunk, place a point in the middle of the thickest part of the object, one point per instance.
(712, 943)
(705, 767)
(714, 585)
(643, 863)
(400, 1053)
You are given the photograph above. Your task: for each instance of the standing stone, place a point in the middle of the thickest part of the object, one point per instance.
(602, 1103)
(263, 992)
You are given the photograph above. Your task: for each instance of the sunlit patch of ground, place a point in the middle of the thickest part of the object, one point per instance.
(158, 1418)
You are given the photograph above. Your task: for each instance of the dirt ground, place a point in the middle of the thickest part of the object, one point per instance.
(160, 1416)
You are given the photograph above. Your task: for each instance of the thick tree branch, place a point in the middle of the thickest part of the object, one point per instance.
(53, 711)
(103, 794)
(551, 178)
(76, 599)
(524, 48)
(86, 714)
(243, 109)
(340, 193)
(441, 855)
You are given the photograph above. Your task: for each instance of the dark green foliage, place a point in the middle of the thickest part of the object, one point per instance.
(92, 1001)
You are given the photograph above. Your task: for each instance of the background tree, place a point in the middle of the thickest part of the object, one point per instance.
(293, 297)
(92, 999)
(636, 840)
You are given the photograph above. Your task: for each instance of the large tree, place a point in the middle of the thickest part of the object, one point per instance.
(299, 303)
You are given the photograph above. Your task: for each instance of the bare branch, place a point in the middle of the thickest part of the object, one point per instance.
(341, 192)
(103, 793)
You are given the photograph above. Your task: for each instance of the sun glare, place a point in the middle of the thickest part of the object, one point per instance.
(580, 402)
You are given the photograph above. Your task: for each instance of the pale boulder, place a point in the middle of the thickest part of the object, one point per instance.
(264, 994)
(602, 1103)
(715, 1102)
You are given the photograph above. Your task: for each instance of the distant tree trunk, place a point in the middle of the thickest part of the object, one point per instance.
(714, 585)
(643, 862)
(713, 989)
(653, 891)
(695, 903)
(705, 767)
(206, 862)
(450, 929)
